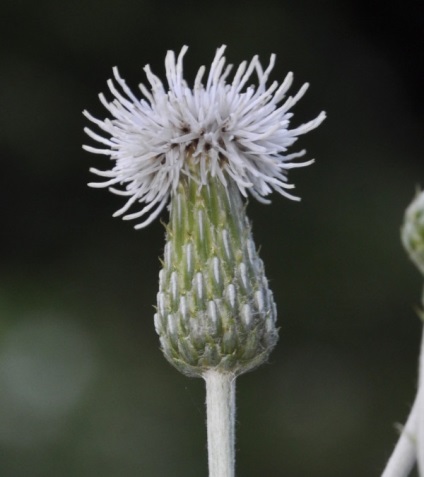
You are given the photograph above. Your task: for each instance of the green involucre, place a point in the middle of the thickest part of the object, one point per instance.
(215, 310)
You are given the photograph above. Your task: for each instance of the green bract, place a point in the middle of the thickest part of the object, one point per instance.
(215, 310)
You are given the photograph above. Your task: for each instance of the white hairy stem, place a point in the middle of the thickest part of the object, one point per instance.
(404, 455)
(220, 410)
(409, 447)
(420, 413)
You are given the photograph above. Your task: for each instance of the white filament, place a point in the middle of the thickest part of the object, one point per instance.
(228, 129)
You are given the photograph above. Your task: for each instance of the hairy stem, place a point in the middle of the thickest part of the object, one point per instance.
(419, 400)
(403, 457)
(220, 409)
(404, 454)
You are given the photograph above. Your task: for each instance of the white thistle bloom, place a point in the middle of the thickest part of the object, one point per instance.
(227, 129)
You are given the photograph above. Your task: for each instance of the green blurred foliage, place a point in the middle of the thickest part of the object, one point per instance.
(84, 390)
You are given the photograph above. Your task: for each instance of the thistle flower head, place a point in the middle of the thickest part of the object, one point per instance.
(230, 130)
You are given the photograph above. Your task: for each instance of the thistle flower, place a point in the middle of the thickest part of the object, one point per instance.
(231, 131)
(202, 149)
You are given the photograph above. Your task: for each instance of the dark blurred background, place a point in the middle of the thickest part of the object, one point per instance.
(84, 389)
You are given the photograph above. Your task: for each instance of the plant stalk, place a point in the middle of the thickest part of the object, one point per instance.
(220, 411)
(419, 437)
(405, 452)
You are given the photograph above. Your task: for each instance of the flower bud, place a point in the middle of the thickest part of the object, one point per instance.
(412, 231)
(214, 307)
